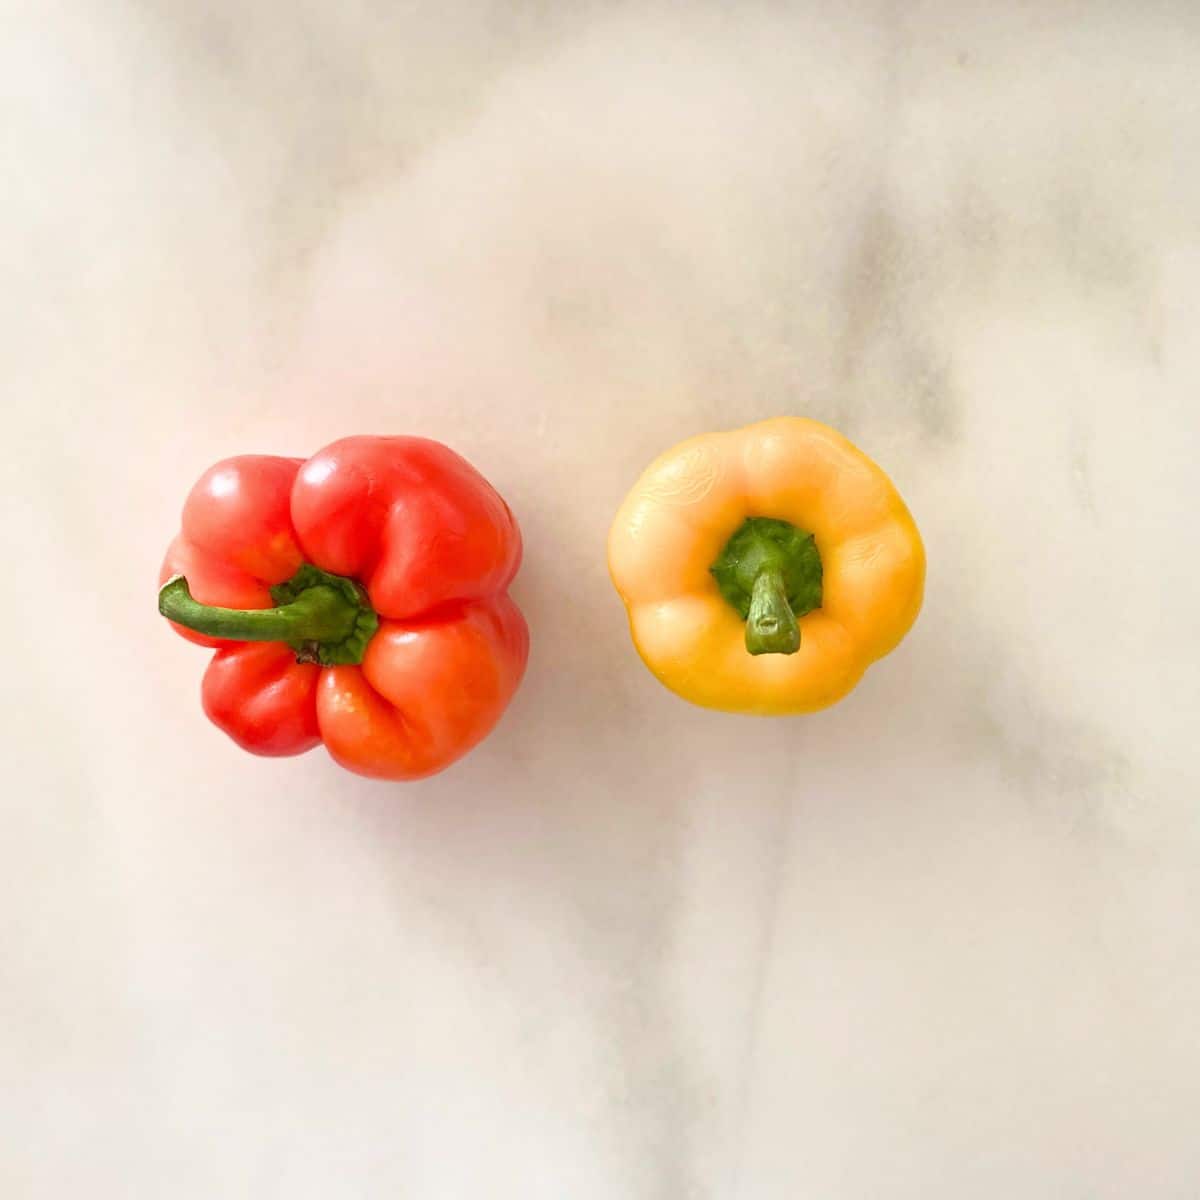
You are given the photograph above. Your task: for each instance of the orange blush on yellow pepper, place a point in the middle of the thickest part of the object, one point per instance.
(766, 568)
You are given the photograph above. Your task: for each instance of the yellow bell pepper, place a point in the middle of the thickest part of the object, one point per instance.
(765, 569)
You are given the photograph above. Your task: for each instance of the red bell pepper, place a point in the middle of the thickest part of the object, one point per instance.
(356, 599)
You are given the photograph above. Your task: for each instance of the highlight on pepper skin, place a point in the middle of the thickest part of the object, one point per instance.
(356, 599)
(764, 569)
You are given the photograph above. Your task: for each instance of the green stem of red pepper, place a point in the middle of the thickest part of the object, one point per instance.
(325, 618)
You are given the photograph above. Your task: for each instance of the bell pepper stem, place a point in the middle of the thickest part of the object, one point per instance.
(771, 626)
(319, 614)
(325, 618)
(770, 573)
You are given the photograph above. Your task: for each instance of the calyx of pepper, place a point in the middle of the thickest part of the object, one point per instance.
(325, 618)
(770, 571)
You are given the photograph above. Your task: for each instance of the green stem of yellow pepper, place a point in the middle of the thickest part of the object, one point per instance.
(770, 571)
(771, 626)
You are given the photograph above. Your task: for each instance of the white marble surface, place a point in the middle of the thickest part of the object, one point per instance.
(942, 941)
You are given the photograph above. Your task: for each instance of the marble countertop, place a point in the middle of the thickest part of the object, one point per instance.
(940, 941)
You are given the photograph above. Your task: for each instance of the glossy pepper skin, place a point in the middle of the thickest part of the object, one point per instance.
(389, 558)
(860, 576)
